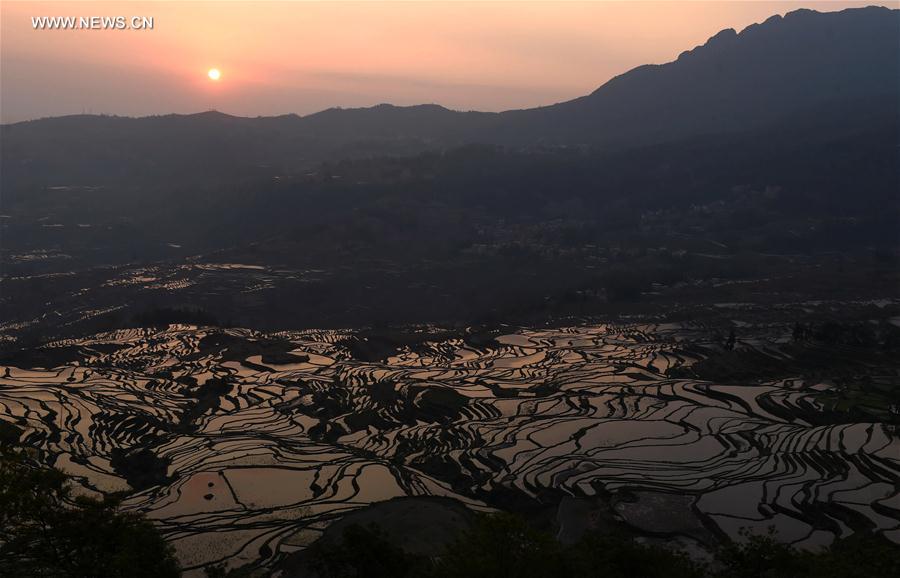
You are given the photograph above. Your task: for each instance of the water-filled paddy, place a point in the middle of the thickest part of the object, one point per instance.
(255, 457)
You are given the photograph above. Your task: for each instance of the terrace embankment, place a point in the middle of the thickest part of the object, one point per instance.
(245, 447)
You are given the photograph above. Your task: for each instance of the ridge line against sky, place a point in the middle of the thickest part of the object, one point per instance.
(303, 57)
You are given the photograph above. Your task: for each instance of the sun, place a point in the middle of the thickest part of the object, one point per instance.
(214, 74)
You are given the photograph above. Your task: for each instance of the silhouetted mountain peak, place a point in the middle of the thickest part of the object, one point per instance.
(721, 39)
(768, 73)
(736, 81)
(715, 44)
(214, 114)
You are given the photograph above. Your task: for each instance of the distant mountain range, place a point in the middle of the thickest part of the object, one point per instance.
(803, 65)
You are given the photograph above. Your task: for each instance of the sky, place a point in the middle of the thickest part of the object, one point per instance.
(302, 57)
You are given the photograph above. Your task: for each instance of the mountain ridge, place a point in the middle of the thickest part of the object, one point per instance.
(734, 82)
(722, 38)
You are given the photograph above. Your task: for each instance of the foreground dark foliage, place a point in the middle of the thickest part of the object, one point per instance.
(854, 557)
(503, 545)
(365, 552)
(46, 531)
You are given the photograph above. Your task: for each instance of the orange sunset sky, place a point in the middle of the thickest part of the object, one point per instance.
(301, 57)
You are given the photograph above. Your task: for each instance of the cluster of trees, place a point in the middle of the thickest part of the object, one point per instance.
(163, 316)
(503, 545)
(47, 530)
(884, 336)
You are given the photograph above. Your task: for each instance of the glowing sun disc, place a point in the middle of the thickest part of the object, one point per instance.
(214, 74)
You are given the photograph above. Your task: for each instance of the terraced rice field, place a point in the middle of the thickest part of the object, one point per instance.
(259, 441)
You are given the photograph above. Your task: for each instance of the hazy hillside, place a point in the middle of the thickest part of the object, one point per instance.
(479, 232)
(734, 82)
(767, 73)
